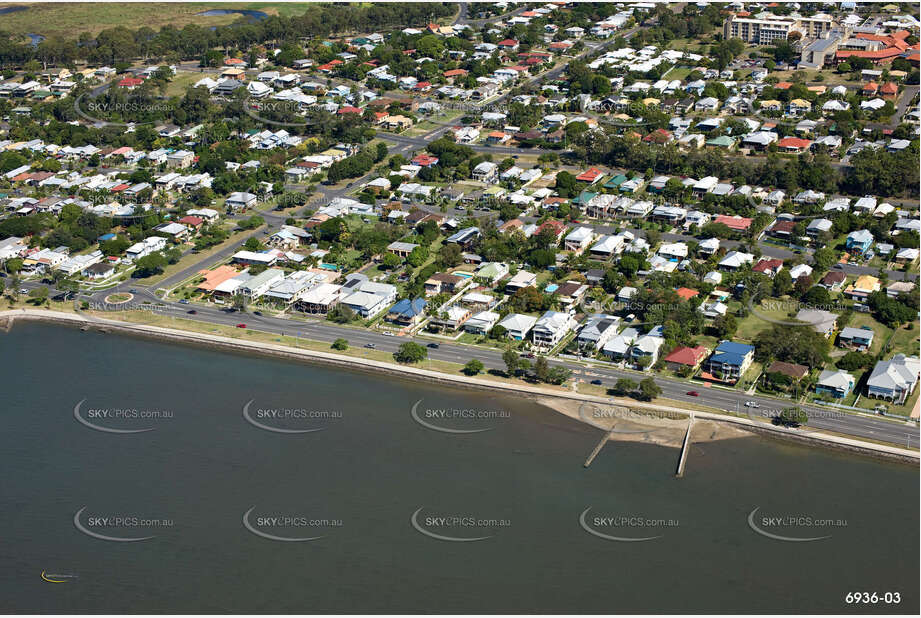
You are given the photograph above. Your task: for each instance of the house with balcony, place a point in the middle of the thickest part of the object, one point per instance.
(449, 318)
(578, 239)
(729, 361)
(481, 323)
(369, 299)
(862, 287)
(518, 325)
(859, 339)
(894, 380)
(835, 383)
(550, 329)
(618, 347)
(598, 329)
(407, 312)
(645, 350)
(859, 242)
(521, 279)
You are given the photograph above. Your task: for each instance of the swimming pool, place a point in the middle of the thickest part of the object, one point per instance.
(551, 288)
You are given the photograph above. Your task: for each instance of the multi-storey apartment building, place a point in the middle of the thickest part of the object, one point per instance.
(766, 28)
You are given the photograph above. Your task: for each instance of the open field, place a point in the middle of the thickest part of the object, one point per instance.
(69, 19)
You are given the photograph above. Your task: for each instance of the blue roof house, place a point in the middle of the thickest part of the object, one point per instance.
(730, 360)
(407, 312)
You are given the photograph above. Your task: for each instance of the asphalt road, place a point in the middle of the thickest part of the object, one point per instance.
(859, 426)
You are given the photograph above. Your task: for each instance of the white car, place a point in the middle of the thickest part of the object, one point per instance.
(751, 404)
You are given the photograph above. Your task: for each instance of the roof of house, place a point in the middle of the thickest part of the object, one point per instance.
(731, 353)
(794, 142)
(789, 369)
(409, 308)
(898, 373)
(684, 355)
(839, 379)
(733, 222)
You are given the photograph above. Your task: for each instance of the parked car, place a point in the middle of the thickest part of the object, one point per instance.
(596, 382)
(184, 301)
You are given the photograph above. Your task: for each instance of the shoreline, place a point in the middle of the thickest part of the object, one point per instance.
(564, 402)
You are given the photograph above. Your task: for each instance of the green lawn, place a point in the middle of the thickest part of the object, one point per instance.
(182, 81)
(69, 19)
(753, 324)
(904, 342)
(882, 332)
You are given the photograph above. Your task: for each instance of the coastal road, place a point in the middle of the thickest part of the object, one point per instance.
(841, 422)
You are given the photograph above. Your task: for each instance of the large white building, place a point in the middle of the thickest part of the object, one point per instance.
(765, 28)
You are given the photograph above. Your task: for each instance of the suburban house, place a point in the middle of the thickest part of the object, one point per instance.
(895, 379)
(729, 361)
(859, 339)
(862, 288)
(319, 299)
(481, 323)
(578, 239)
(684, 357)
(837, 383)
(791, 370)
(550, 329)
(240, 200)
(407, 312)
(618, 347)
(444, 282)
(145, 247)
(596, 332)
(492, 272)
(645, 350)
(369, 299)
(822, 322)
(859, 241)
(518, 325)
(521, 279)
(401, 249)
(487, 171)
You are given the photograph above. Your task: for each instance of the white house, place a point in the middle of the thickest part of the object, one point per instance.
(550, 329)
(518, 325)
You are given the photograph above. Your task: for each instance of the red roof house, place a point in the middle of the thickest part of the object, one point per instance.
(130, 82)
(768, 267)
(735, 222)
(424, 160)
(684, 356)
(591, 175)
(793, 144)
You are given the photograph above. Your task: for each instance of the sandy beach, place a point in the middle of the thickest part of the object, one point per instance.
(634, 425)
